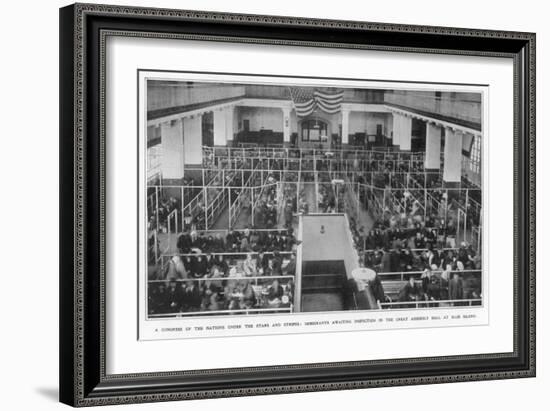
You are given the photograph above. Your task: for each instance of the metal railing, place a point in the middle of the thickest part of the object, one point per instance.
(432, 303)
(212, 153)
(279, 310)
(254, 279)
(402, 275)
(172, 216)
(228, 253)
(420, 249)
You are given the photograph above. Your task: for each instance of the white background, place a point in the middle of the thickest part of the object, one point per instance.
(29, 205)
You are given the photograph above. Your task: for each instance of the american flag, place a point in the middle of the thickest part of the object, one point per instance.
(306, 100)
(303, 100)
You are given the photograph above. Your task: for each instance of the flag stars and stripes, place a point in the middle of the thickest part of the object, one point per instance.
(306, 100)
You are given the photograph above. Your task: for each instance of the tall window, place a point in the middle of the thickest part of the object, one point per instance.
(314, 130)
(475, 155)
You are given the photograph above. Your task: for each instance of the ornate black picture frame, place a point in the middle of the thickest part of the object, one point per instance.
(83, 30)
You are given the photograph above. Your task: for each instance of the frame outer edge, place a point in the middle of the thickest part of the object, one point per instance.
(67, 307)
(274, 19)
(532, 201)
(72, 193)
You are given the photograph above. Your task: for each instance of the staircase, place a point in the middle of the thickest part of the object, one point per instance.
(324, 286)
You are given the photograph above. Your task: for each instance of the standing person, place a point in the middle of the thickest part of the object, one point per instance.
(426, 278)
(263, 261)
(290, 268)
(246, 204)
(456, 288)
(174, 297)
(378, 290)
(277, 264)
(192, 298)
(386, 261)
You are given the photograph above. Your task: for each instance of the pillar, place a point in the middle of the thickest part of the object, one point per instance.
(432, 159)
(406, 133)
(345, 127)
(192, 139)
(171, 135)
(286, 126)
(452, 162)
(229, 125)
(220, 133)
(396, 129)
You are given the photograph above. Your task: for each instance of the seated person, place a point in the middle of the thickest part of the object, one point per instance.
(275, 294)
(201, 266)
(211, 299)
(247, 298)
(250, 266)
(191, 299)
(410, 292)
(221, 264)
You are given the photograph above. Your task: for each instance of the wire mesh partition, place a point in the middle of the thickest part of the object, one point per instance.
(264, 188)
(270, 204)
(212, 155)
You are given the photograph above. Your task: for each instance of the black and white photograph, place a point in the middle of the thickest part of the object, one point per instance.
(295, 196)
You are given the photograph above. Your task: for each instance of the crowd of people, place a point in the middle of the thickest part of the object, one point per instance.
(202, 279)
(181, 267)
(413, 246)
(247, 240)
(446, 285)
(218, 294)
(400, 245)
(241, 270)
(266, 209)
(158, 219)
(404, 239)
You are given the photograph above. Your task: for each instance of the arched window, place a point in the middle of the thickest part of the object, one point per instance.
(314, 130)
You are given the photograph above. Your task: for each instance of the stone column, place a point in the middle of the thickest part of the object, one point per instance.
(452, 162)
(432, 159)
(345, 127)
(396, 129)
(406, 133)
(192, 138)
(171, 135)
(229, 125)
(286, 126)
(432, 156)
(220, 133)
